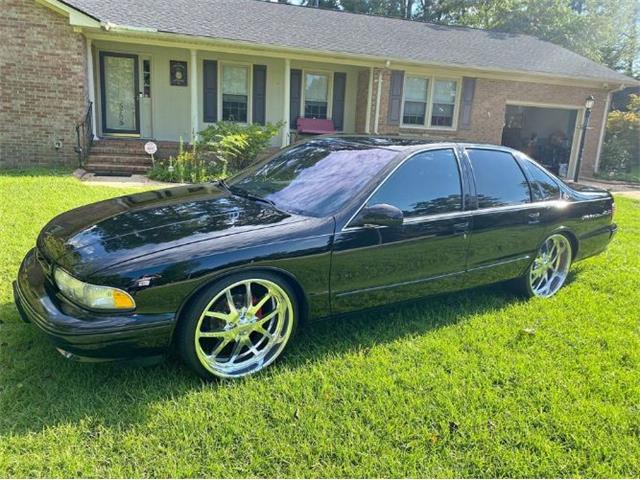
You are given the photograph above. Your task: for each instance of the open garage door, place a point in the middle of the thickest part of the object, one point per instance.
(546, 134)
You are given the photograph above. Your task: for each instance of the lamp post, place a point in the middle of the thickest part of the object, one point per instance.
(588, 105)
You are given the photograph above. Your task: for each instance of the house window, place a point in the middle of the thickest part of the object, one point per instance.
(146, 78)
(235, 93)
(429, 102)
(444, 102)
(316, 95)
(416, 92)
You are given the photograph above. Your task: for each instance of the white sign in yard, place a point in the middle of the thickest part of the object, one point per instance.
(150, 148)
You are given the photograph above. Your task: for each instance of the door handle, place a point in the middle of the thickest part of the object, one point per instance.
(534, 218)
(462, 227)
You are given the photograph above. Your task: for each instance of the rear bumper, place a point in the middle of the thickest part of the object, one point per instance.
(83, 335)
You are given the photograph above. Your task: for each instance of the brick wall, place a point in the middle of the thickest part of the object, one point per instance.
(42, 85)
(488, 111)
(361, 101)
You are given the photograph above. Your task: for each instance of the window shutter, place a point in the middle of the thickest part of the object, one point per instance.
(395, 97)
(259, 94)
(339, 87)
(295, 98)
(210, 93)
(466, 103)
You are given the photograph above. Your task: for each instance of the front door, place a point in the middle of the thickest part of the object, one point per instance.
(374, 265)
(119, 85)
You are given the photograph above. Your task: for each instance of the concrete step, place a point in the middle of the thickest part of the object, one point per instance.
(119, 159)
(133, 147)
(111, 168)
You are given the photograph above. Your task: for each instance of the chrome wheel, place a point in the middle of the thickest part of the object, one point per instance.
(551, 266)
(244, 328)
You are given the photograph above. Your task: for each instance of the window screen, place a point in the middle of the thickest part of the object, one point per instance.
(416, 91)
(235, 93)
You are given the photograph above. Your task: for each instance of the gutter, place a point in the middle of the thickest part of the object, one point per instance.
(116, 28)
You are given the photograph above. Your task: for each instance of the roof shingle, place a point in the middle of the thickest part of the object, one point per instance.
(281, 25)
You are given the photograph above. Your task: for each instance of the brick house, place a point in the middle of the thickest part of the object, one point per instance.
(161, 69)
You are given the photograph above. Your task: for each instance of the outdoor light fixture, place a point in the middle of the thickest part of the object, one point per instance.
(588, 105)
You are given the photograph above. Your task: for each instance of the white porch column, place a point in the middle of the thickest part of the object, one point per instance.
(376, 121)
(91, 86)
(287, 105)
(193, 73)
(367, 123)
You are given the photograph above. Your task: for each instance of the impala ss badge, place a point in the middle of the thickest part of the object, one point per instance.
(593, 216)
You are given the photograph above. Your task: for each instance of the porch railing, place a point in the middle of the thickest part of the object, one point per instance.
(84, 136)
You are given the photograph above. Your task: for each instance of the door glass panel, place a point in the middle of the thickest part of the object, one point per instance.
(427, 184)
(120, 101)
(499, 179)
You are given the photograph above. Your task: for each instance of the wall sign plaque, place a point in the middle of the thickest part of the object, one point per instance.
(178, 73)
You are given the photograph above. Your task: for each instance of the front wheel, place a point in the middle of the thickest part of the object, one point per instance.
(549, 269)
(238, 325)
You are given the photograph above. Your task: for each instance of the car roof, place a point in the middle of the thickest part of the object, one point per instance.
(403, 142)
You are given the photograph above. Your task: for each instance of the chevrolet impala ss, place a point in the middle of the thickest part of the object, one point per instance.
(225, 272)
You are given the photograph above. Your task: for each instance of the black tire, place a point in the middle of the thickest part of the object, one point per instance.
(526, 287)
(191, 318)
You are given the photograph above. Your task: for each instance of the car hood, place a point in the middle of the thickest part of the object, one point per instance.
(97, 236)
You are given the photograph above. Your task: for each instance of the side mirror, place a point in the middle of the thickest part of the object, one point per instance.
(381, 214)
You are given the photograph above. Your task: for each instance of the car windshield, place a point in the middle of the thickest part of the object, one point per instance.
(316, 178)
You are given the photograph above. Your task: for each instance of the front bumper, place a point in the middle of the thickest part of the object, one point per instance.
(83, 335)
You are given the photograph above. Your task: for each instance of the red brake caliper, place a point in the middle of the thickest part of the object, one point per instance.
(259, 312)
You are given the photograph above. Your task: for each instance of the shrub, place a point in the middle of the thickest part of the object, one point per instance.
(238, 145)
(621, 149)
(189, 166)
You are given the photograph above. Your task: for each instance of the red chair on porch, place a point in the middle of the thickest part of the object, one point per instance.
(315, 126)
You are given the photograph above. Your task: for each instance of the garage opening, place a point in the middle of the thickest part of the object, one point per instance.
(545, 134)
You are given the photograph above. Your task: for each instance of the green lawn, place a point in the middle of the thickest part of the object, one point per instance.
(474, 384)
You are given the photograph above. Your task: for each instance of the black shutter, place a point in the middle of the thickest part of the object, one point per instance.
(466, 103)
(339, 86)
(210, 92)
(295, 98)
(395, 97)
(259, 94)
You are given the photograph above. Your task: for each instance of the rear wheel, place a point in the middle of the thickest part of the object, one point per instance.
(238, 326)
(549, 269)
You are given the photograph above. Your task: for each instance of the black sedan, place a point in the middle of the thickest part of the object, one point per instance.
(225, 272)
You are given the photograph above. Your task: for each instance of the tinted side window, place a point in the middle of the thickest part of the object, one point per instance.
(426, 184)
(544, 186)
(499, 179)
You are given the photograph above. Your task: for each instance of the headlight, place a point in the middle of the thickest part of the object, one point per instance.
(93, 296)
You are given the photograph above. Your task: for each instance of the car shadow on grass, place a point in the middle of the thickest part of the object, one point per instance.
(40, 389)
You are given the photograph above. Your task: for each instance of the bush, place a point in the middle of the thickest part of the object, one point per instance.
(238, 145)
(223, 148)
(621, 149)
(189, 166)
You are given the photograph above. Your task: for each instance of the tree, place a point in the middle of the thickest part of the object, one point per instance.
(607, 31)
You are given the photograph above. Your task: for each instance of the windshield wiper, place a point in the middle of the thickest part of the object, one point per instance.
(239, 192)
